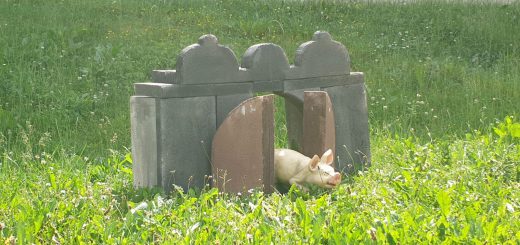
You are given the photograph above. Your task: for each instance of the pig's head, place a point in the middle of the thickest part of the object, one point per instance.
(321, 172)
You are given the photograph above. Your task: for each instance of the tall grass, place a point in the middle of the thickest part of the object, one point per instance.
(459, 191)
(441, 77)
(67, 67)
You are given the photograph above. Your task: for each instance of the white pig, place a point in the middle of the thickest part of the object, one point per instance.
(292, 167)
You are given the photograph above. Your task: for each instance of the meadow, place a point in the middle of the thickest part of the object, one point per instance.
(443, 82)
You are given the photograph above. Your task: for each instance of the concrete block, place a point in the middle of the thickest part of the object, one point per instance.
(187, 126)
(354, 77)
(155, 90)
(265, 62)
(318, 123)
(226, 103)
(165, 90)
(323, 82)
(268, 86)
(243, 75)
(163, 76)
(352, 134)
(243, 148)
(206, 62)
(232, 88)
(320, 57)
(143, 121)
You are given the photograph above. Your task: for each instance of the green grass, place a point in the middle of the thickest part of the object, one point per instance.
(441, 78)
(461, 191)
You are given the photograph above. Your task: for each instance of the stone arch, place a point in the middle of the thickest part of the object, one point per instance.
(208, 83)
(243, 146)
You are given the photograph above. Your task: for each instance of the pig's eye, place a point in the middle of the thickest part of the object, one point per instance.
(322, 171)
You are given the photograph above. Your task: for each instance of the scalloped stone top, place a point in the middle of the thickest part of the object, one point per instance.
(321, 35)
(208, 40)
(208, 62)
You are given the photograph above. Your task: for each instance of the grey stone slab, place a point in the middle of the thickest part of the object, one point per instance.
(206, 62)
(318, 123)
(355, 77)
(187, 126)
(243, 148)
(164, 90)
(352, 134)
(156, 90)
(265, 62)
(163, 76)
(323, 82)
(232, 88)
(145, 148)
(268, 86)
(227, 103)
(244, 75)
(320, 57)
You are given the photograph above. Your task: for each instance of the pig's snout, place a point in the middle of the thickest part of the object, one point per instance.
(334, 179)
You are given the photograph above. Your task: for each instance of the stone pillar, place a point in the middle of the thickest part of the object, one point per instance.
(352, 133)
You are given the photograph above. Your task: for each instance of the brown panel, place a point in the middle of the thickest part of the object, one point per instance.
(318, 123)
(243, 147)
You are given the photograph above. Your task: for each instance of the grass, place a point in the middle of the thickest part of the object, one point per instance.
(460, 191)
(441, 79)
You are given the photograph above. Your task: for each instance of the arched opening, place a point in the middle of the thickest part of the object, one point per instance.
(304, 121)
(280, 123)
(243, 145)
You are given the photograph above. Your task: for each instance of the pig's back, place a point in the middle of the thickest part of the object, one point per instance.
(288, 163)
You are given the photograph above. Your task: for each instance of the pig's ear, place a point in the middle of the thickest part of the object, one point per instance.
(313, 163)
(327, 157)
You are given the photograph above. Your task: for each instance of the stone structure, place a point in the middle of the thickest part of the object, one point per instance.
(175, 118)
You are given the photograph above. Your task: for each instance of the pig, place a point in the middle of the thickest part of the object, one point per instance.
(292, 167)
